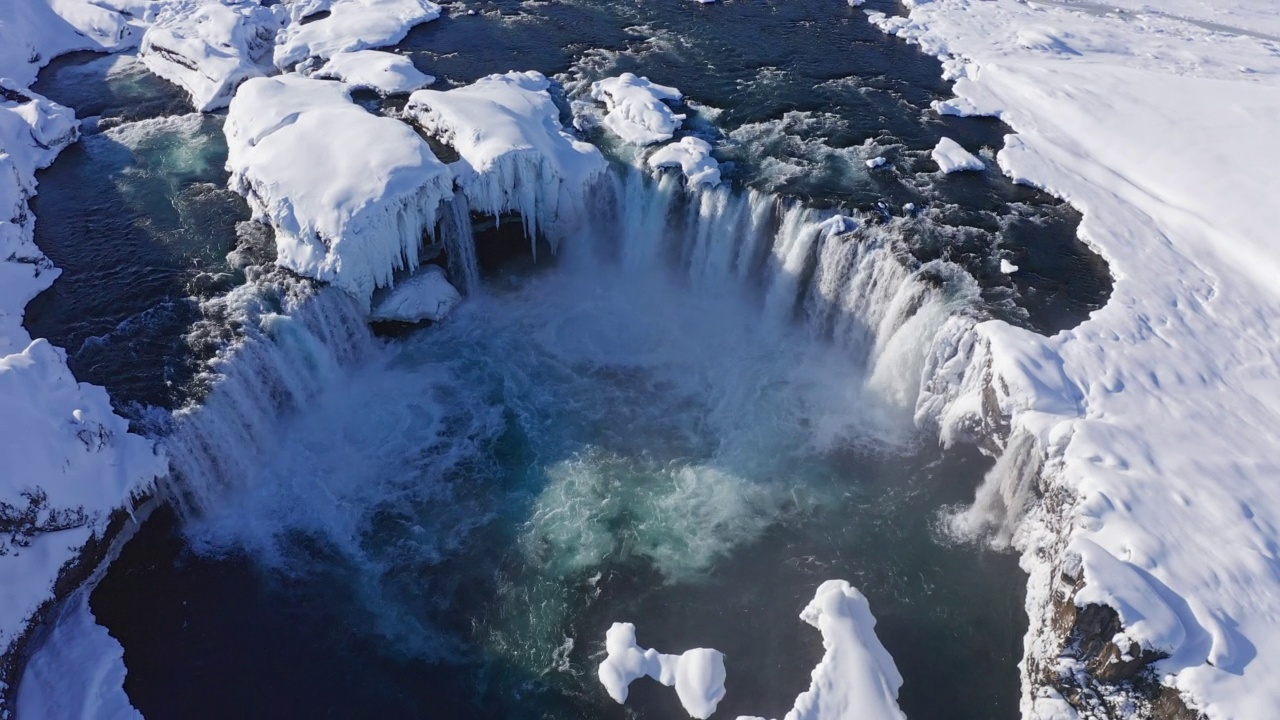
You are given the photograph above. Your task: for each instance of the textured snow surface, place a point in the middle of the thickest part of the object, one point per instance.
(856, 677)
(693, 156)
(515, 154)
(636, 111)
(1158, 417)
(349, 193)
(68, 459)
(697, 674)
(953, 158)
(385, 72)
(209, 47)
(77, 672)
(351, 25)
(427, 295)
(33, 32)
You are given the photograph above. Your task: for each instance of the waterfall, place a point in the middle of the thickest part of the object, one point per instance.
(460, 244)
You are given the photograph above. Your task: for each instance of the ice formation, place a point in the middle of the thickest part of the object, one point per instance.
(693, 156)
(69, 459)
(697, 674)
(636, 111)
(1152, 491)
(384, 72)
(209, 47)
(856, 677)
(953, 158)
(876, 162)
(350, 194)
(515, 154)
(427, 295)
(350, 25)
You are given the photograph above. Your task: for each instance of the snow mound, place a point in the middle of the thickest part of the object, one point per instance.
(350, 194)
(515, 155)
(427, 295)
(856, 677)
(209, 47)
(77, 672)
(693, 156)
(953, 158)
(877, 162)
(350, 25)
(33, 32)
(384, 72)
(698, 674)
(1007, 267)
(636, 111)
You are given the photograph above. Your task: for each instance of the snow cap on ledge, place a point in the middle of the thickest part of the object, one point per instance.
(693, 156)
(697, 674)
(383, 72)
(350, 25)
(516, 156)
(349, 193)
(636, 111)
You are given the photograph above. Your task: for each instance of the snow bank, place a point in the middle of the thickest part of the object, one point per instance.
(209, 47)
(427, 295)
(77, 672)
(856, 677)
(697, 674)
(1153, 420)
(693, 156)
(350, 25)
(36, 31)
(350, 194)
(515, 154)
(69, 460)
(384, 72)
(953, 158)
(636, 111)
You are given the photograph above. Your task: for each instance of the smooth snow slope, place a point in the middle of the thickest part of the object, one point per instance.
(1159, 416)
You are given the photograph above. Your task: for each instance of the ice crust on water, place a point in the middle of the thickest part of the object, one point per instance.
(209, 47)
(1149, 423)
(350, 194)
(384, 72)
(427, 295)
(953, 158)
(693, 156)
(69, 459)
(856, 677)
(697, 674)
(515, 154)
(636, 111)
(351, 25)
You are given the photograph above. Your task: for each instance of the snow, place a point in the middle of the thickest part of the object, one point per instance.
(1007, 267)
(349, 193)
(427, 295)
(876, 162)
(698, 674)
(1154, 418)
(693, 156)
(78, 671)
(351, 25)
(856, 676)
(515, 155)
(36, 31)
(69, 459)
(953, 158)
(387, 73)
(209, 47)
(636, 111)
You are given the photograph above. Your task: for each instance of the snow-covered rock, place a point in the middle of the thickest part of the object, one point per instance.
(953, 158)
(515, 155)
(428, 295)
(698, 674)
(350, 194)
(350, 25)
(1007, 267)
(33, 32)
(209, 47)
(693, 156)
(877, 162)
(1152, 491)
(636, 111)
(384, 72)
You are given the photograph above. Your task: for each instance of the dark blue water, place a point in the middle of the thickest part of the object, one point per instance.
(451, 594)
